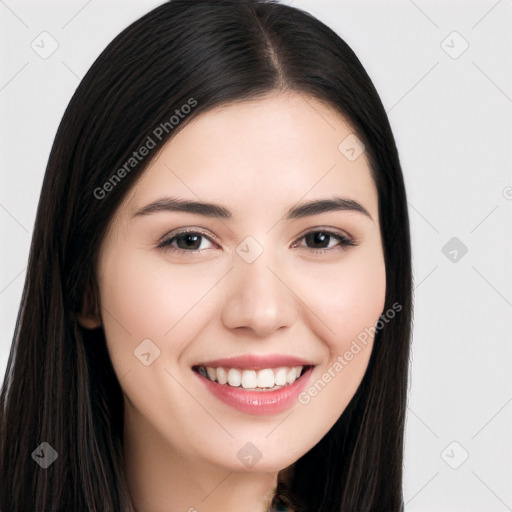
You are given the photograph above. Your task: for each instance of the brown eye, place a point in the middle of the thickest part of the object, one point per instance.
(322, 240)
(318, 240)
(186, 241)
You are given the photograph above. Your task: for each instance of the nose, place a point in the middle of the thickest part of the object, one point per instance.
(259, 299)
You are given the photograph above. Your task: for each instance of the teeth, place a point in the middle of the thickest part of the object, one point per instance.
(280, 377)
(211, 373)
(249, 379)
(266, 378)
(222, 376)
(234, 377)
(291, 375)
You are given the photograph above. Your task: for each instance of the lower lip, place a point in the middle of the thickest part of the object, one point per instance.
(258, 402)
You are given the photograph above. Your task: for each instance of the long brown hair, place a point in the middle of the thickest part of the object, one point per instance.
(59, 384)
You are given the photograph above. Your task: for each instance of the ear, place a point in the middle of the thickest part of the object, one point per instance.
(89, 317)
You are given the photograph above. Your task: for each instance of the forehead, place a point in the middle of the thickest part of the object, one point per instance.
(260, 154)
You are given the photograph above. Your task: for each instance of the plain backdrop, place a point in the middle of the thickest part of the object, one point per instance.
(443, 70)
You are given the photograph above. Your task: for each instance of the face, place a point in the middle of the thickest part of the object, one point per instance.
(263, 292)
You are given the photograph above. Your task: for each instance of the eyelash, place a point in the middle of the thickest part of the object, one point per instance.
(344, 241)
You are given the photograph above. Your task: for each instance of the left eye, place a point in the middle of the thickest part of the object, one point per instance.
(322, 237)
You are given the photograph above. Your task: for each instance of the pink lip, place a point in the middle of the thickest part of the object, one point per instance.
(256, 362)
(258, 402)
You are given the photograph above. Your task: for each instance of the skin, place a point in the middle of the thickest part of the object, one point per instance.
(257, 158)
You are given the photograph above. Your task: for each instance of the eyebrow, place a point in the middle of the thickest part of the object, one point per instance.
(315, 207)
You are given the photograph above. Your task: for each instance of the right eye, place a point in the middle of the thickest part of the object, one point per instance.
(184, 242)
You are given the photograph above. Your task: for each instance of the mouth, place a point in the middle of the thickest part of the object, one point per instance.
(255, 384)
(253, 379)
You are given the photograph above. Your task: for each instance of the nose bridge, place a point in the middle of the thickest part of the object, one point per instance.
(257, 298)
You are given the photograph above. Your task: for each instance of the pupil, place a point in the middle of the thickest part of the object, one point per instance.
(188, 239)
(319, 238)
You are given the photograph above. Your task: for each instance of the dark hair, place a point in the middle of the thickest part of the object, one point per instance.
(60, 386)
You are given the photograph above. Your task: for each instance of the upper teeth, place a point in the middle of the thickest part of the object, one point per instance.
(253, 379)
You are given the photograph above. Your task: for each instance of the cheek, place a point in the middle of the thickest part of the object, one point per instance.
(144, 298)
(349, 303)
(347, 297)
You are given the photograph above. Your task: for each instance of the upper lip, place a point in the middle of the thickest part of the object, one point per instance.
(256, 362)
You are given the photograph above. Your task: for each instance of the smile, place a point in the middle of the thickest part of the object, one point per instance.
(263, 379)
(255, 384)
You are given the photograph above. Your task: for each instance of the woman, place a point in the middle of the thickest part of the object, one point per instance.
(217, 308)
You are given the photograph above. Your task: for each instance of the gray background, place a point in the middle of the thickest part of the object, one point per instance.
(451, 114)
